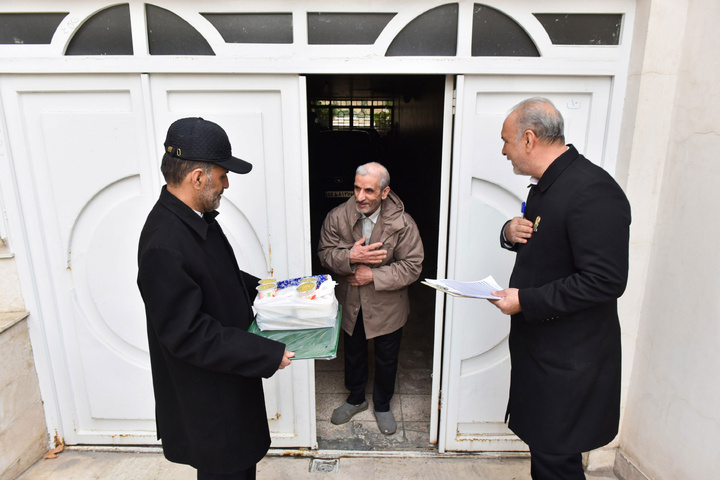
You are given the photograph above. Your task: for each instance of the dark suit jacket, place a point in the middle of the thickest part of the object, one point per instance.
(565, 344)
(207, 369)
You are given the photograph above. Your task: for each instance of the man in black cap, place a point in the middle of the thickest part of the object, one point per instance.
(207, 369)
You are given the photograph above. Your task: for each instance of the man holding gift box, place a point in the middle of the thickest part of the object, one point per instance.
(374, 249)
(207, 368)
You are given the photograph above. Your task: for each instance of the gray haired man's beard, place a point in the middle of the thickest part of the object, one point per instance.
(208, 198)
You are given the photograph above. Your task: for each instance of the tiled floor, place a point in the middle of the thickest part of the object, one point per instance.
(93, 465)
(411, 403)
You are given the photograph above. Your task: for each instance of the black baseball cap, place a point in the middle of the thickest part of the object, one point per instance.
(201, 140)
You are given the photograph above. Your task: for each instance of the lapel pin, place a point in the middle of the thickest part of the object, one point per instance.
(537, 222)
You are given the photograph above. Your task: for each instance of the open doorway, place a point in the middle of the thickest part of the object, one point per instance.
(396, 120)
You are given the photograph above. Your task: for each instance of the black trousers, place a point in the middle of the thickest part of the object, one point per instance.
(387, 350)
(249, 474)
(551, 466)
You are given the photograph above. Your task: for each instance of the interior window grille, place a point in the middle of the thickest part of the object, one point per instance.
(353, 114)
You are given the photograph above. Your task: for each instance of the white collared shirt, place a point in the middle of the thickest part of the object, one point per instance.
(368, 223)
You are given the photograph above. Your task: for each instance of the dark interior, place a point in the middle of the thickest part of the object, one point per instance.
(412, 152)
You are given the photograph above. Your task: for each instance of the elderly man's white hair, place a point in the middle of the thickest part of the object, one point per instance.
(376, 170)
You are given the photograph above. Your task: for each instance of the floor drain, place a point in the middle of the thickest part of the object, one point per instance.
(325, 466)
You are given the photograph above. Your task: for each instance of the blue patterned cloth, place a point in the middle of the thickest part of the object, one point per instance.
(294, 282)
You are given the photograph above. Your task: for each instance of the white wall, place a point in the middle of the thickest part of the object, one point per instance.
(10, 296)
(671, 426)
(646, 129)
(11, 299)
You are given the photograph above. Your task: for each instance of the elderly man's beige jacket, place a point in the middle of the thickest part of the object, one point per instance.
(384, 301)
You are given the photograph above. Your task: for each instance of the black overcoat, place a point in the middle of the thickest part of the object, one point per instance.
(207, 369)
(565, 344)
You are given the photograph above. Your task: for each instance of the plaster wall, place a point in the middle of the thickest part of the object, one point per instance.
(10, 296)
(11, 299)
(23, 434)
(641, 162)
(671, 426)
(642, 156)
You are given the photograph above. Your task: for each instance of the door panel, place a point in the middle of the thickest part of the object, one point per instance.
(80, 156)
(486, 193)
(86, 151)
(264, 212)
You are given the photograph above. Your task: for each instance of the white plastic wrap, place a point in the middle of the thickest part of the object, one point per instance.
(287, 311)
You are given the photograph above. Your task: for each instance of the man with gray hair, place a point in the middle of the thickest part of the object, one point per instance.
(373, 248)
(571, 267)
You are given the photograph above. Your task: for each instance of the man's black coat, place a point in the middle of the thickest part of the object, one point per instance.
(565, 344)
(206, 367)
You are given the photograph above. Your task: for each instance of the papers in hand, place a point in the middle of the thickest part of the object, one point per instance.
(476, 289)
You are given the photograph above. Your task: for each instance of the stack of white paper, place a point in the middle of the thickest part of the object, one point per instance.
(476, 289)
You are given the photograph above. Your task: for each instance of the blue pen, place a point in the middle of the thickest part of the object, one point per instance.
(522, 208)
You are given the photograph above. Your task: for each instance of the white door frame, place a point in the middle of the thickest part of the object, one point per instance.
(438, 334)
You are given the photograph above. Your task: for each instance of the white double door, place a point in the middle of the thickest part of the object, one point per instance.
(86, 152)
(485, 194)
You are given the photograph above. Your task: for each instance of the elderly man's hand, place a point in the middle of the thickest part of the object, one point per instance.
(509, 302)
(369, 254)
(363, 276)
(518, 230)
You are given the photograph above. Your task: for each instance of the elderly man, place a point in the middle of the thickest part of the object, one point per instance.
(207, 369)
(571, 267)
(373, 247)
